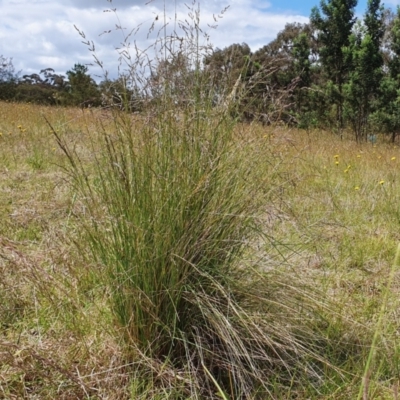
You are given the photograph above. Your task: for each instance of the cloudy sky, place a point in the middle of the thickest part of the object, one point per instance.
(38, 34)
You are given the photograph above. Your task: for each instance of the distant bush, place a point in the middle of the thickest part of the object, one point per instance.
(35, 93)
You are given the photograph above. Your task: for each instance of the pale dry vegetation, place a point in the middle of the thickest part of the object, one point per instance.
(322, 254)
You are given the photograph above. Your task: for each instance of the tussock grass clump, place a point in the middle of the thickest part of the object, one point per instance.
(214, 259)
(172, 216)
(172, 213)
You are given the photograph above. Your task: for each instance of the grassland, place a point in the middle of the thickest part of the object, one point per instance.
(328, 234)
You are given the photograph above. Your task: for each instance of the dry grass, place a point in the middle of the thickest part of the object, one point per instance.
(47, 346)
(326, 225)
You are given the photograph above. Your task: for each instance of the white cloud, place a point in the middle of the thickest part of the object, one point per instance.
(40, 33)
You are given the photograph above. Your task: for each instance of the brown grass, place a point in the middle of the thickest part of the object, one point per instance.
(325, 225)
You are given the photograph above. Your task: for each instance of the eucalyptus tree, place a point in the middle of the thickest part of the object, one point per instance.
(225, 66)
(334, 22)
(281, 68)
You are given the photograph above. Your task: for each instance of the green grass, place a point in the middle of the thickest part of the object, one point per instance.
(171, 212)
(255, 252)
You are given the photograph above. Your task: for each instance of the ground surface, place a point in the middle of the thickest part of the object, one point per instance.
(332, 214)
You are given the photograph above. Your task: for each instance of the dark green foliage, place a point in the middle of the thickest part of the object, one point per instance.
(35, 93)
(302, 68)
(386, 117)
(7, 90)
(366, 72)
(394, 61)
(334, 29)
(49, 88)
(333, 32)
(82, 89)
(302, 63)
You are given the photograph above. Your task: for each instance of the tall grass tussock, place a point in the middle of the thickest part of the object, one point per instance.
(177, 253)
(172, 212)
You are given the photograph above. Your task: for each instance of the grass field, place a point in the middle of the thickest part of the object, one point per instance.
(327, 232)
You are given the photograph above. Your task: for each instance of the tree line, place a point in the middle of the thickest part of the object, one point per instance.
(76, 88)
(337, 72)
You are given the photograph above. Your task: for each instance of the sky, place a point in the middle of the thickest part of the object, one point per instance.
(40, 34)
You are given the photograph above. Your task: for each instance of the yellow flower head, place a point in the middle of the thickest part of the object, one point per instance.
(358, 155)
(336, 156)
(357, 188)
(393, 158)
(337, 162)
(381, 182)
